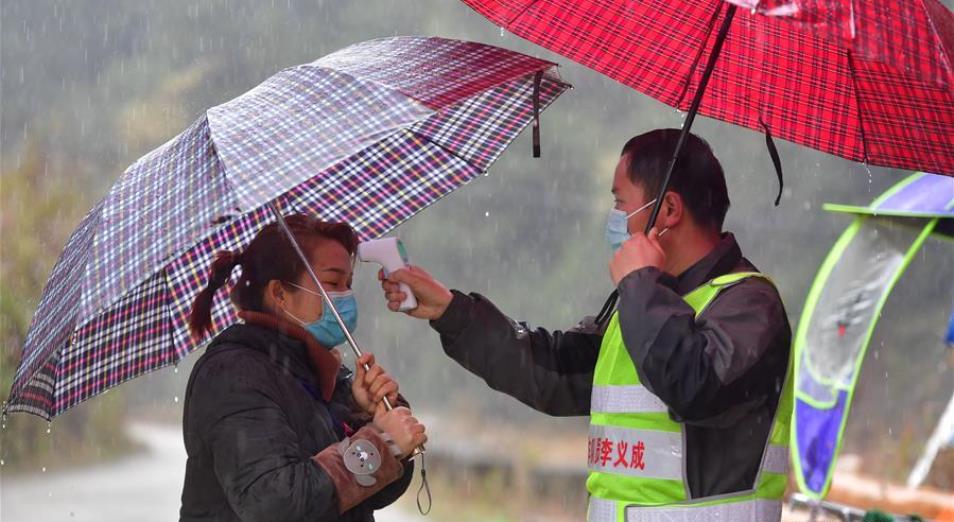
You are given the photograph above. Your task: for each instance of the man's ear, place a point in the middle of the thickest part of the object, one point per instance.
(672, 211)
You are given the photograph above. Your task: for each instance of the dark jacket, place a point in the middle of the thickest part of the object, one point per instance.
(261, 430)
(721, 374)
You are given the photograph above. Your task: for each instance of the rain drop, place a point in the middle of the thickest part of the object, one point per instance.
(501, 31)
(49, 428)
(175, 369)
(487, 214)
(43, 469)
(2, 463)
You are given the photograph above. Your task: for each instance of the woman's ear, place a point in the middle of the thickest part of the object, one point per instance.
(274, 295)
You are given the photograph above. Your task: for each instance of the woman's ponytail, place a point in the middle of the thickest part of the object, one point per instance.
(200, 319)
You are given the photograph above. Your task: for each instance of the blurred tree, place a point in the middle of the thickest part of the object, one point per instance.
(38, 209)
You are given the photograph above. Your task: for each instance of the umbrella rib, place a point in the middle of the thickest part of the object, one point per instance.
(543, 106)
(698, 58)
(861, 120)
(521, 13)
(937, 35)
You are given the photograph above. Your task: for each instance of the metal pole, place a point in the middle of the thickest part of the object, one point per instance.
(693, 109)
(942, 433)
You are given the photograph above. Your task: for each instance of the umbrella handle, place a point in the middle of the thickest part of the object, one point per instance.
(693, 109)
(331, 306)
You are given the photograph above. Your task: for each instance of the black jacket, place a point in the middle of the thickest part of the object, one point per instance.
(254, 418)
(721, 374)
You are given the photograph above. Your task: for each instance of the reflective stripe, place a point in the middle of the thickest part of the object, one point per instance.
(600, 510)
(756, 510)
(637, 453)
(776, 459)
(625, 399)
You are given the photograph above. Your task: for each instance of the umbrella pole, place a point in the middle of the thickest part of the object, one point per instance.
(327, 300)
(693, 109)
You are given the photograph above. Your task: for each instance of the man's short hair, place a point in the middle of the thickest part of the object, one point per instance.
(697, 178)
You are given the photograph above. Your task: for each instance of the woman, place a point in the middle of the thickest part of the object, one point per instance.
(275, 429)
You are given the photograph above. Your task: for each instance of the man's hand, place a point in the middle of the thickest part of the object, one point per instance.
(432, 297)
(370, 387)
(638, 252)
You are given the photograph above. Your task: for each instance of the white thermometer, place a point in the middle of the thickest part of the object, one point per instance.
(390, 254)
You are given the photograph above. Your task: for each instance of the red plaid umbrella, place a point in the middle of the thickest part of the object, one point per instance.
(868, 81)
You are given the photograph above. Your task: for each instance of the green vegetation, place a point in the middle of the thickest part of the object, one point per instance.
(38, 210)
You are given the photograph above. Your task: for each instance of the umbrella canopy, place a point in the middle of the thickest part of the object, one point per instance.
(843, 308)
(918, 196)
(369, 135)
(867, 81)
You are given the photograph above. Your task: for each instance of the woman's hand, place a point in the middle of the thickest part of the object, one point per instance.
(406, 431)
(370, 387)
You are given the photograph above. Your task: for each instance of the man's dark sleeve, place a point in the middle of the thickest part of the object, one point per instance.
(551, 372)
(708, 371)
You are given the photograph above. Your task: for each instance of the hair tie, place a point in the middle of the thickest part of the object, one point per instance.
(225, 262)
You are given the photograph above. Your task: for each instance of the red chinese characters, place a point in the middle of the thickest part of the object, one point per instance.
(639, 449)
(621, 454)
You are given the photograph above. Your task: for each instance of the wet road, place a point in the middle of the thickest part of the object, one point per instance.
(144, 487)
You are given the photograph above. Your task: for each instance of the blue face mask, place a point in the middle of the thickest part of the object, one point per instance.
(326, 330)
(617, 225)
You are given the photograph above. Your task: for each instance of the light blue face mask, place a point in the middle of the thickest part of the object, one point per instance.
(617, 225)
(326, 330)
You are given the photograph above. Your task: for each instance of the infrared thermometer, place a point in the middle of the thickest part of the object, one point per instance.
(389, 252)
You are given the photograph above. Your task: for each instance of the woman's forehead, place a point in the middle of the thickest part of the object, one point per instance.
(331, 256)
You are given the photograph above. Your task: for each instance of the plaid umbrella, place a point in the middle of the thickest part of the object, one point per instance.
(369, 135)
(868, 81)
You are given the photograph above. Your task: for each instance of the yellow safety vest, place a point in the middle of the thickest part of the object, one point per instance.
(637, 452)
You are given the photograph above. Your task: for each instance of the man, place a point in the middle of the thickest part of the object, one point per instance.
(685, 382)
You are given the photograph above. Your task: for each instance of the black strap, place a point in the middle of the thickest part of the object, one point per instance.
(426, 489)
(607, 309)
(773, 153)
(537, 79)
